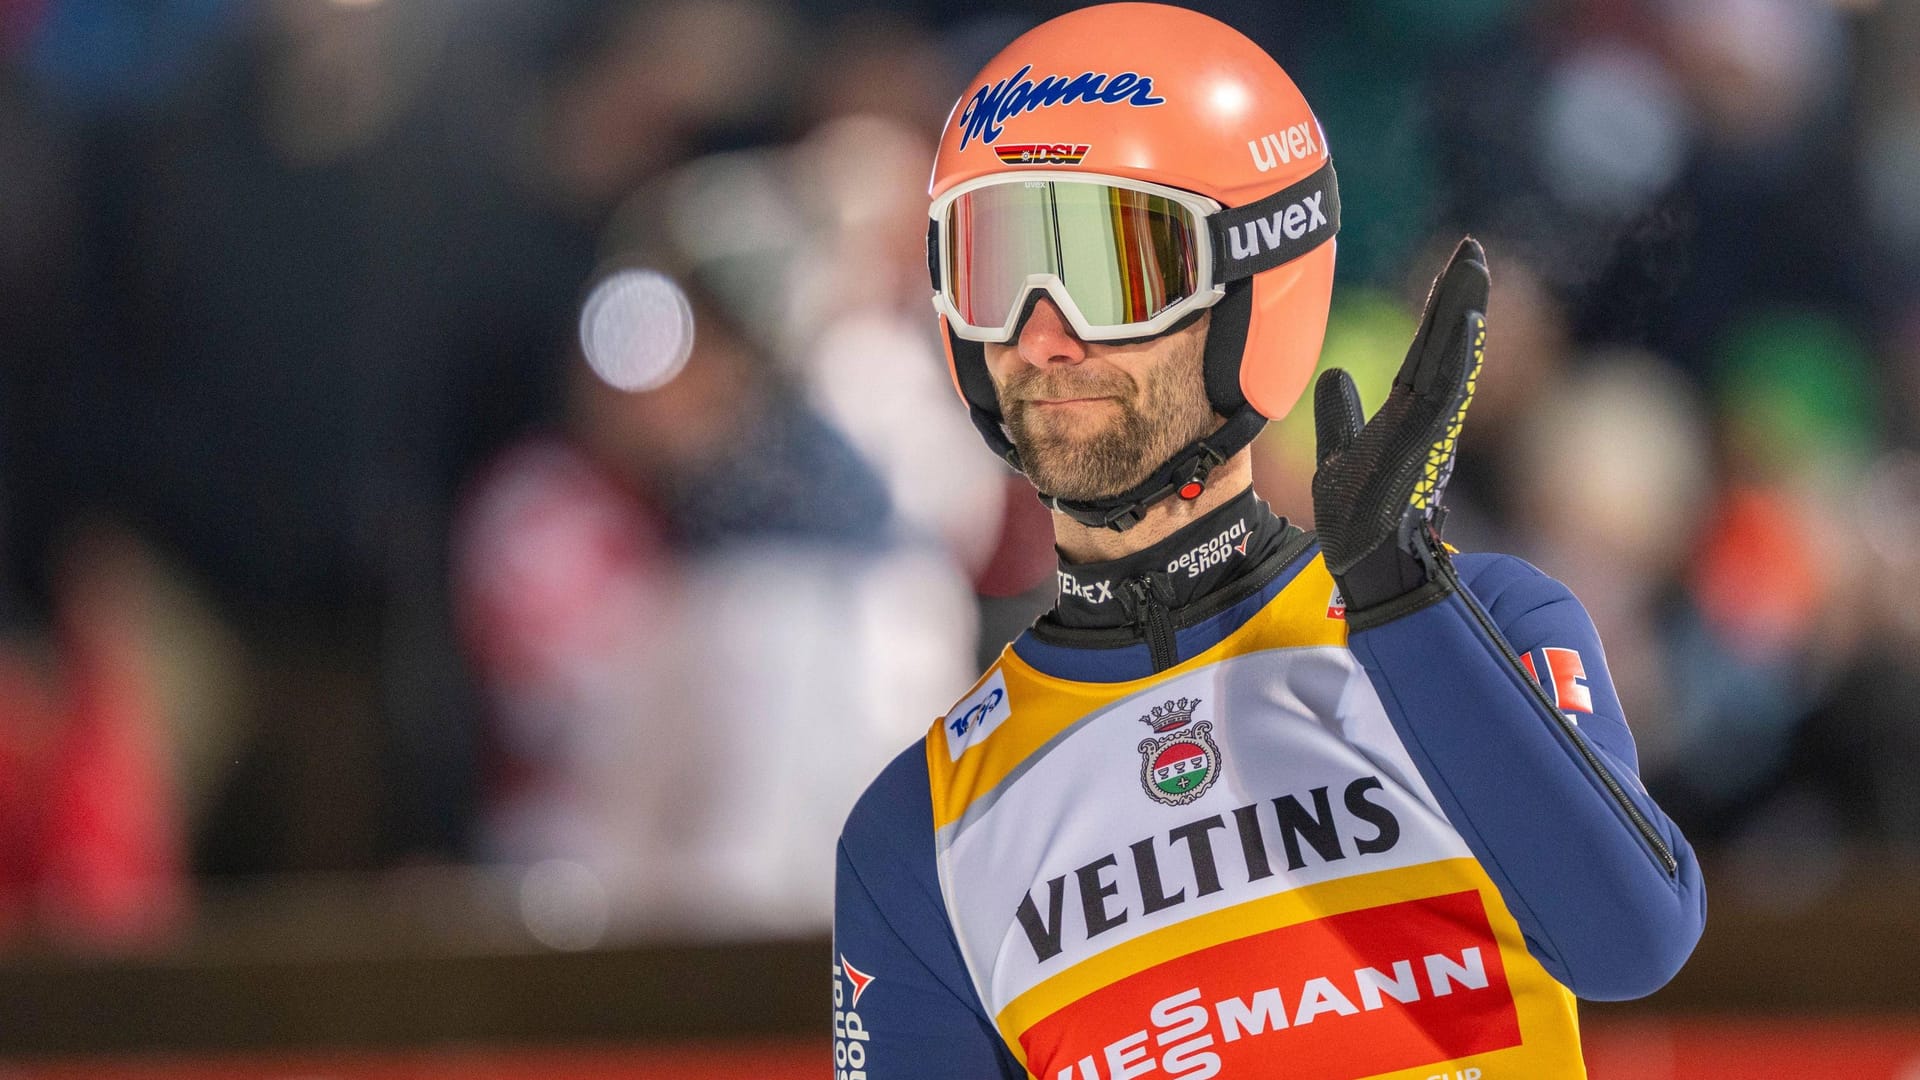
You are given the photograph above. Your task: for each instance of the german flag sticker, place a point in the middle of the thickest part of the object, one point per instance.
(1042, 153)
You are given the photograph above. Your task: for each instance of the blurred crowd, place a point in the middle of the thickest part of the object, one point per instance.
(324, 551)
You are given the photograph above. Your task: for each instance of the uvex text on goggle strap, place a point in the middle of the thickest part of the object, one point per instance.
(1122, 259)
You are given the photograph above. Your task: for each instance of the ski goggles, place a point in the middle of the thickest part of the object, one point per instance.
(1122, 259)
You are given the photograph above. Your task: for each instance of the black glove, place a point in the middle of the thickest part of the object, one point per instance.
(1376, 493)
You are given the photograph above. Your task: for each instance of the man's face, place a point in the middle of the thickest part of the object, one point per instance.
(1093, 420)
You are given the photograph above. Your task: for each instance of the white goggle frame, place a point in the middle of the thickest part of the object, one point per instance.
(1206, 292)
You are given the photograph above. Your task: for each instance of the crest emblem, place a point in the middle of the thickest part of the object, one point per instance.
(1181, 762)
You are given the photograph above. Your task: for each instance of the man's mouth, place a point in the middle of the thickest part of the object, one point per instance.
(1060, 402)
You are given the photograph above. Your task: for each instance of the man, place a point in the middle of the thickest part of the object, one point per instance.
(1247, 802)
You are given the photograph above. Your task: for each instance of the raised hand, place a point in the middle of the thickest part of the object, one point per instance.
(1378, 485)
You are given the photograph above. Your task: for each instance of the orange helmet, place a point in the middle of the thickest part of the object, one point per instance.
(1189, 172)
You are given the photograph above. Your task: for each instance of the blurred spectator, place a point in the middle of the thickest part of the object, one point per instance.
(338, 288)
(322, 285)
(872, 354)
(1608, 481)
(640, 80)
(702, 629)
(1859, 750)
(1889, 161)
(1367, 334)
(92, 846)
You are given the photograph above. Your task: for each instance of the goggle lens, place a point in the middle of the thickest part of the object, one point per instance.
(1124, 256)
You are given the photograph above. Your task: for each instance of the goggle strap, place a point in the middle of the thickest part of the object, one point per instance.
(1124, 511)
(1277, 229)
(933, 253)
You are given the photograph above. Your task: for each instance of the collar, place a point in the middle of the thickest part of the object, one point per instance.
(1193, 563)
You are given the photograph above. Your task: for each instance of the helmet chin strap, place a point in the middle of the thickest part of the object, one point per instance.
(1184, 475)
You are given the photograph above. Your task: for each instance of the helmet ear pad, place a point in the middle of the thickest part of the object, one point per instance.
(967, 360)
(1285, 329)
(1226, 347)
(967, 363)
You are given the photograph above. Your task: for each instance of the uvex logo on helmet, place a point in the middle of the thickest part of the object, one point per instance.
(995, 103)
(1276, 150)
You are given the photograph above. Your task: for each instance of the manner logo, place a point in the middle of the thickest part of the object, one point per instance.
(975, 718)
(995, 103)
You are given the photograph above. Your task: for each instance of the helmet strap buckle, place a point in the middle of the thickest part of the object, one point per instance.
(1187, 471)
(1195, 484)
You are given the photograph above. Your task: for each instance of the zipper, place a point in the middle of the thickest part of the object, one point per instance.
(1650, 836)
(1154, 620)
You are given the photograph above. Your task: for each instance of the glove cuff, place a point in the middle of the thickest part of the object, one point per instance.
(1399, 607)
(1390, 582)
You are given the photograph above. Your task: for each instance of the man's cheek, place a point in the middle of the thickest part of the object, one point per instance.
(1003, 366)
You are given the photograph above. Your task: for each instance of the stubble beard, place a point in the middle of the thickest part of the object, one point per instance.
(1140, 431)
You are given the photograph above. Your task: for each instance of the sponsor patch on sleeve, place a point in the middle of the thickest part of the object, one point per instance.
(974, 719)
(1563, 675)
(850, 1036)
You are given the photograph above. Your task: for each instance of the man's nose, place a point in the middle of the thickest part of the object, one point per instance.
(1046, 339)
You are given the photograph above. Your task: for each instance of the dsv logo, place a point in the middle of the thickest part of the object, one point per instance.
(1093, 592)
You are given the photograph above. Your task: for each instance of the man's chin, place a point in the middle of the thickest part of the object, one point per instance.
(1079, 482)
(1089, 455)
(1081, 496)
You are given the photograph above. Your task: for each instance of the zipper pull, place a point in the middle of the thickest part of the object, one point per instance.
(1147, 609)
(1138, 599)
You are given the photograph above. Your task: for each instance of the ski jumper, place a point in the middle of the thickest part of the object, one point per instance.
(1188, 826)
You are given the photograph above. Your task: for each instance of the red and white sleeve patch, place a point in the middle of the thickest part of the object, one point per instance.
(1566, 678)
(860, 980)
(850, 1035)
